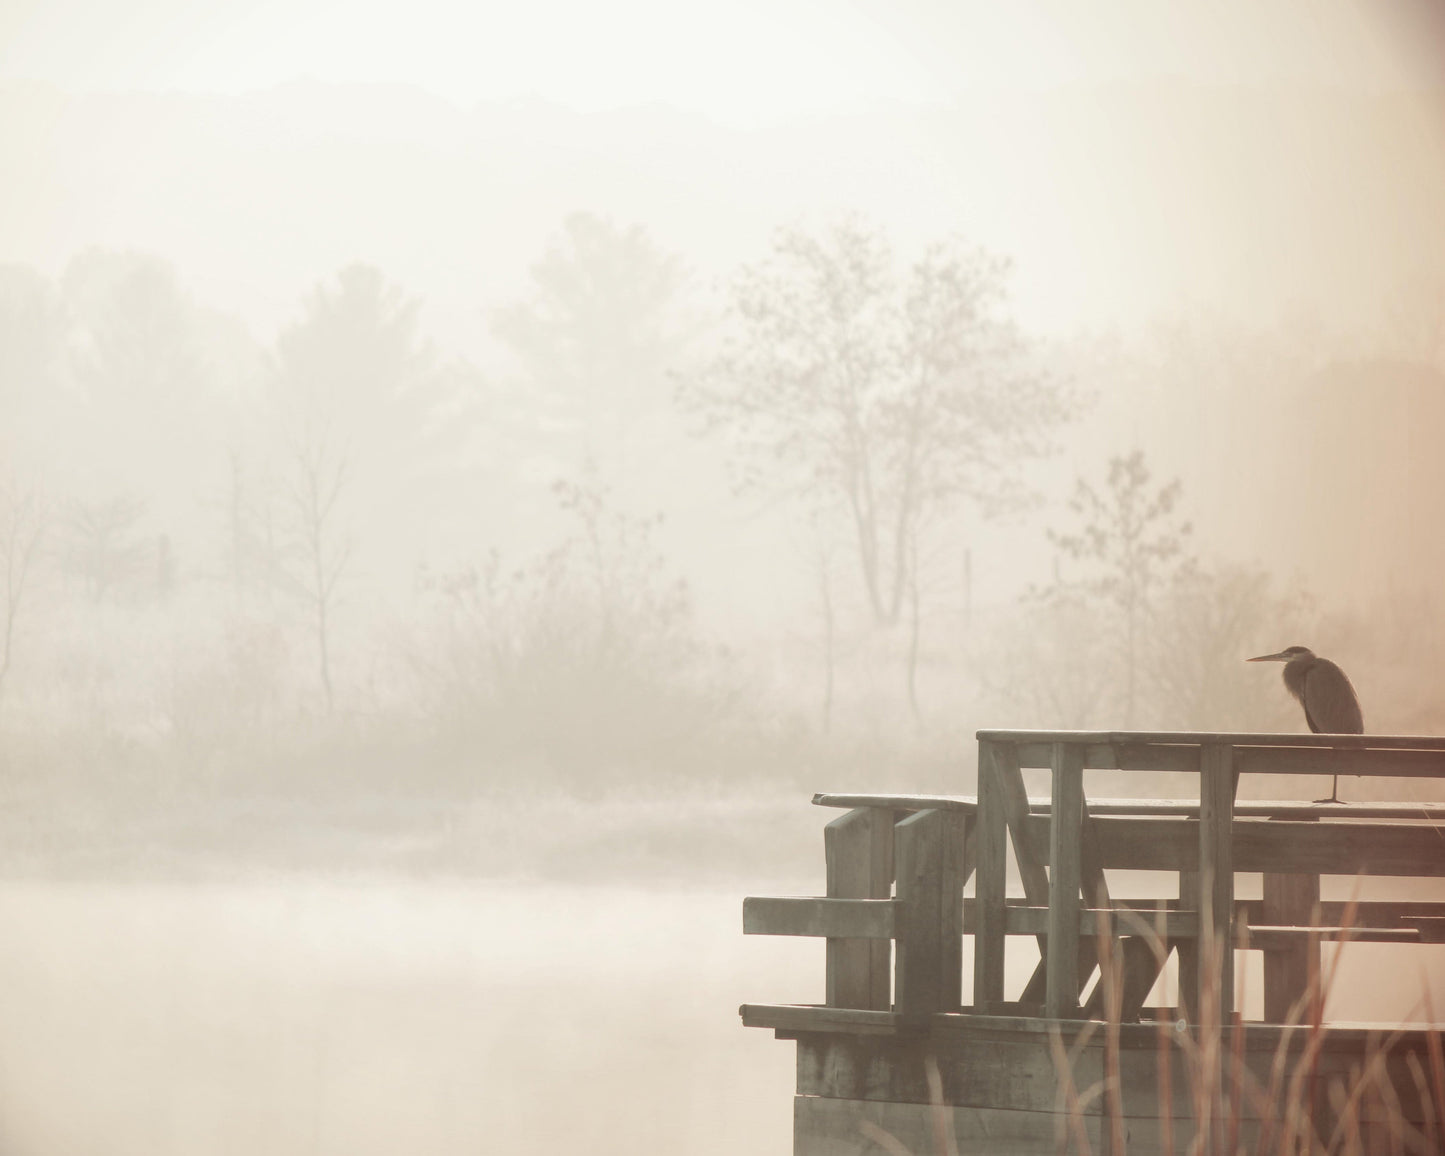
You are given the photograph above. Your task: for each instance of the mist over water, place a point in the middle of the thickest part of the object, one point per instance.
(326, 1017)
(467, 479)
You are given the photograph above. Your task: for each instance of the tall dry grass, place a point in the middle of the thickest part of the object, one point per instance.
(1292, 1109)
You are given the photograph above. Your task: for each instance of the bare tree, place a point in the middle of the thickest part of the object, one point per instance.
(1042, 667)
(317, 481)
(887, 397)
(1205, 621)
(21, 532)
(360, 405)
(1130, 539)
(820, 552)
(100, 544)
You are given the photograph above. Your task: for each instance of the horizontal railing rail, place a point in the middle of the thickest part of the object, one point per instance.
(1243, 808)
(1217, 738)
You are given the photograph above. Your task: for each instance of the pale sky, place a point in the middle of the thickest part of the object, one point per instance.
(742, 62)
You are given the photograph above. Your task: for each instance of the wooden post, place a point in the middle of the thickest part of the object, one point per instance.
(858, 849)
(1008, 781)
(1032, 872)
(1061, 993)
(929, 857)
(990, 834)
(1289, 901)
(1216, 870)
(1187, 950)
(1095, 887)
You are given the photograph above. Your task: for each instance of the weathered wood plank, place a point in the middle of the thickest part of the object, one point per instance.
(824, 1127)
(1187, 950)
(1395, 764)
(1139, 1077)
(1280, 938)
(1216, 873)
(1120, 756)
(929, 855)
(1243, 808)
(876, 919)
(1367, 913)
(1339, 848)
(834, 1127)
(1140, 963)
(1031, 852)
(1095, 889)
(1142, 968)
(1012, 1071)
(835, 918)
(1094, 886)
(1020, 919)
(1184, 923)
(1017, 1073)
(1145, 1136)
(1430, 927)
(1030, 843)
(1061, 995)
(1279, 847)
(1289, 900)
(1011, 1009)
(898, 802)
(1038, 982)
(1227, 738)
(858, 848)
(991, 861)
(794, 1018)
(975, 1031)
(1266, 809)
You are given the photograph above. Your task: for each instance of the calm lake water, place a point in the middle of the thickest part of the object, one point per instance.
(383, 1018)
(419, 1018)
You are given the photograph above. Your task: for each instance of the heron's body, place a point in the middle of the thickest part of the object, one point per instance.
(1324, 690)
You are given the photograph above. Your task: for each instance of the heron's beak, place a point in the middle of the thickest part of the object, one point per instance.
(1268, 658)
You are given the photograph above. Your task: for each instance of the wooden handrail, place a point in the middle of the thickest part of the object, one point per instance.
(1228, 738)
(1164, 808)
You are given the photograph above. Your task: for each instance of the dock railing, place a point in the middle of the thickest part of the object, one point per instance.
(897, 866)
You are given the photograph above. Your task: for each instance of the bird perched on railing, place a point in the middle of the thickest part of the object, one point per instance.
(1324, 690)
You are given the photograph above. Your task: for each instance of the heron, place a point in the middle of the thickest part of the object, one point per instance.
(1324, 690)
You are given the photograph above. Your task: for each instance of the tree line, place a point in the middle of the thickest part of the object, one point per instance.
(346, 482)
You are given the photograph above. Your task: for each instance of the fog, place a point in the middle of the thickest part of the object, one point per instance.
(467, 477)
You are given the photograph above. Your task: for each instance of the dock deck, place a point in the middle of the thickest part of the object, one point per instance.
(1076, 1058)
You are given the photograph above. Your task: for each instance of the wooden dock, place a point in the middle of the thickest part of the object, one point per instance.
(895, 1059)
